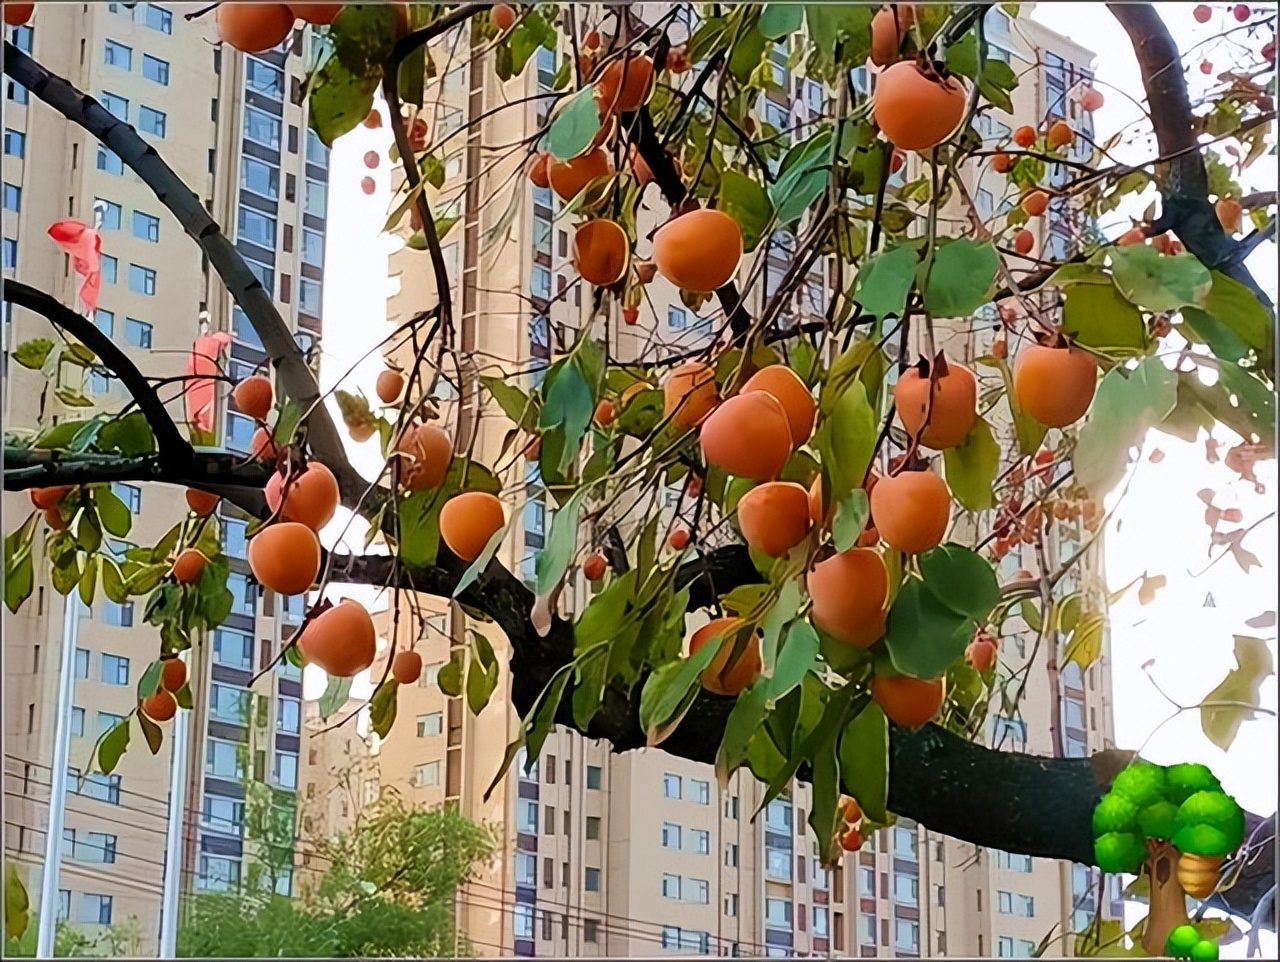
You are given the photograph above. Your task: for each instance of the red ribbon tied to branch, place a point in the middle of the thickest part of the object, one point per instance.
(202, 366)
(83, 245)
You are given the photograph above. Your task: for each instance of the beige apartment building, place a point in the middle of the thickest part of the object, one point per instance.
(232, 128)
(642, 854)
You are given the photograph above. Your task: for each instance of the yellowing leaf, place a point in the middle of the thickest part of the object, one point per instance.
(1085, 645)
(1150, 585)
(971, 467)
(1226, 707)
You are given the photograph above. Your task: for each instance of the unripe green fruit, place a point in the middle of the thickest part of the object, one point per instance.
(1181, 941)
(1204, 951)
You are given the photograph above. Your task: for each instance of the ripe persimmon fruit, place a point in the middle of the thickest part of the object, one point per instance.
(601, 251)
(311, 496)
(341, 639)
(1135, 235)
(263, 446)
(316, 13)
(774, 517)
(1091, 99)
(594, 567)
(504, 17)
(160, 705)
(748, 435)
(953, 411)
(1060, 135)
(981, 654)
(1229, 213)
(591, 40)
(1001, 162)
(689, 394)
(906, 701)
(912, 510)
(1035, 203)
(722, 676)
(468, 520)
(253, 27)
(1054, 385)
(785, 385)
(406, 667)
(568, 177)
(1024, 136)
(916, 110)
(539, 170)
(202, 503)
(16, 14)
(254, 396)
(285, 557)
(888, 28)
(188, 566)
(46, 498)
(424, 452)
(849, 590)
(389, 385)
(54, 519)
(173, 674)
(605, 413)
(850, 810)
(678, 537)
(817, 515)
(1024, 241)
(624, 84)
(851, 840)
(698, 251)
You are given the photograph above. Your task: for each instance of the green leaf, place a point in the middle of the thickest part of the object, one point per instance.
(797, 656)
(568, 406)
(129, 435)
(531, 33)
(341, 93)
(780, 614)
(747, 203)
(17, 904)
(539, 721)
(1030, 614)
(89, 580)
(553, 559)
(846, 441)
(59, 436)
(924, 635)
(382, 708)
(574, 126)
(747, 52)
(19, 568)
(1029, 432)
(72, 397)
(606, 613)
(746, 718)
(115, 514)
(450, 677)
(482, 674)
(1222, 340)
(850, 519)
(32, 354)
(1221, 722)
(1126, 405)
(1084, 647)
(150, 732)
(668, 689)
(1100, 317)
(642, 413)
(183, 696)
(515, 403)
(961, 579)
(335, 696)
(802, 177)
(778, 20)
(961, 278)
(150, 680)
(971, 468)
(477, 567)
(145, 579)
(1158, 282)
(864, 761)
(1237, 307)
(824, 814)
(112, 747)
(884, 280)
(843, 28)
(66, 573)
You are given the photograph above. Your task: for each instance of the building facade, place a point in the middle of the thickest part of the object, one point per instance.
(234, 129)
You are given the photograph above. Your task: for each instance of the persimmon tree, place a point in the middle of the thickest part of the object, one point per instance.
(840, 527)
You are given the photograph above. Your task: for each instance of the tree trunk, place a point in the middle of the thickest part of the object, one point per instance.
(1168, 903)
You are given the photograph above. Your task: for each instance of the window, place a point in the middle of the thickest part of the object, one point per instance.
(867, 929)
(234, 540)
(777, 912)
(426, 775)
(670, 886)
(15, 143)
(111, 213)
(699, 791)
(590, 927)
(16, 92)
(284, 770)
(99, 383)
(593, 828)
(316, 200)
(1012, 862)
(677, 318)
(309, 296)
(94, 847)
(670, 835)
(118, 55)
(778, 864)
(904, 842)
(158, 18)
(223, 813)
(549, 821)
(224, 759)
(152, 121)
(257, 228)
(288, 715)
(108, 265)
(21, 37)
(105, 321)
(10, 254)
(12, 197)
(155, 69)
(526, 816)
(218, 874)
(261, 77)
(77, 722)
(266, 275)
(317, 152)
(593, 777)
(731, 854)
(146, 227)
(906, 934)
(522, 921)
(906, 889)
(260, 177)
(697, 890)
(233, 648)
(526, 869)
(540, 282)
(592, 880)
(105, 788)
(430, 724)
(142, 280)
(82, 663)
(116, 105)
(699, 841)
(261, 128)
(130, 494)
(820, 927)
(229, 703)
(115, 670)
(671, 786)
(1008, 733)
(136, 332)
(239, 437)
(778, 815)
(312, 247)
(94, 910)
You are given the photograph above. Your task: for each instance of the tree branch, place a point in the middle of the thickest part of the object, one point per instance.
(295, 376)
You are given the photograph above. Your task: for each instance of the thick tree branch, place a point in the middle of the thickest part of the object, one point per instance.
(295, 376)
(174, 448)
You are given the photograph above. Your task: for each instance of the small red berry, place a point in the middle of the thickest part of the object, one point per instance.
(594, 567)
(1241, 12)
(679, 537)
(1206, 67)
(1203, 13)
(631, 315)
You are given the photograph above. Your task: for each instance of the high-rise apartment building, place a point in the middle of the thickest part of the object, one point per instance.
(234, 128)
(642, 853)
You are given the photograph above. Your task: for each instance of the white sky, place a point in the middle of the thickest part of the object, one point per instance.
(1159, 526)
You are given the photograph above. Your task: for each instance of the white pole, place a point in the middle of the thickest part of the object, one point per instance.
(48, 914)
(174, 837)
